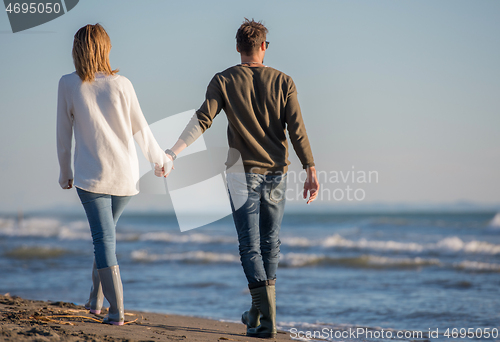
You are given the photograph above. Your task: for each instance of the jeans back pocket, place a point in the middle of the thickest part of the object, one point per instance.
(278, 189)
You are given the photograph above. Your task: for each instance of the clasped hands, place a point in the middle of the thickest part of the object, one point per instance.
(168, 165)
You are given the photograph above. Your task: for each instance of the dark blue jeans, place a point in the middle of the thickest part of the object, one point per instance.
(258, 204)
(103, 212)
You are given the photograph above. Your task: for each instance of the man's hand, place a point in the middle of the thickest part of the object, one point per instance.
(70, 184)
(311, 184)
(168, 165)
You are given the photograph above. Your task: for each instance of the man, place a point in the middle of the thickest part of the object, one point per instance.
(260, 103)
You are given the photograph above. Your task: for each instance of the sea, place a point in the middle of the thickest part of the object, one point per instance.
(342, 276)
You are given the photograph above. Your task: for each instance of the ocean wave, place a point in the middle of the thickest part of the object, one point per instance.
(45, 228)
(455, 244)
(189, 257)
(36, 252)
(297, 241)
(186, 238)
(477, 266)
(299, 260)
(338, 241)
(447, 245)
(291, 260)
(79, 230)
(363, 261)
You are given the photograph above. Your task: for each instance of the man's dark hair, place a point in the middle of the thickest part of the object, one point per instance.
(250, 36)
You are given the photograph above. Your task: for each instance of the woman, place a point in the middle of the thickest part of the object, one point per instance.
(102, 109)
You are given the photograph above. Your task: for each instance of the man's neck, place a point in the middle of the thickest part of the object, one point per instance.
(251, 60)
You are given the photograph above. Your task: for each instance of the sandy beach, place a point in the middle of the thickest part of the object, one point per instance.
(32, 320)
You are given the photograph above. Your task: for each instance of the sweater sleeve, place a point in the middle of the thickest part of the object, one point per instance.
(203, 118)
(64, 134)
(142, 133)
(297, 129)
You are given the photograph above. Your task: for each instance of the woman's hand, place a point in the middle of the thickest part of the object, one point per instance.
(70, 184)
(168, 165)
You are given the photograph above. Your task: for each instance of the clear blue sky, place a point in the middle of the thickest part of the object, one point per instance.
(407, 88)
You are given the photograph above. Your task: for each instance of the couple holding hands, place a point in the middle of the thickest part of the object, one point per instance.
(101, 109)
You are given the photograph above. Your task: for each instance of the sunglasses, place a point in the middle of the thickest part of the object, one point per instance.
(267, 44)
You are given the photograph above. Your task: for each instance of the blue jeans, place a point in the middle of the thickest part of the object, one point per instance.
(103, 211)
(258, 204)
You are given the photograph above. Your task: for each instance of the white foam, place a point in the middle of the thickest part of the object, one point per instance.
(385, 261)
(297, 241)
(479, 266)
(76, 230)
(194, 256)
(338, 241)
(6, 223)
(186, 238)
(450, 244)
(44, 227)
(300, 259)
(286, 260)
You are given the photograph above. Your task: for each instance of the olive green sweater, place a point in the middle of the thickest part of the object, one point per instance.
(260, 104)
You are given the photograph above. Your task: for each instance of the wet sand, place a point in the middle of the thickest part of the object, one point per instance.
(31, 320)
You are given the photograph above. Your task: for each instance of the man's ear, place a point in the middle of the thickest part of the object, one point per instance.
(237, 48)
(263, 46)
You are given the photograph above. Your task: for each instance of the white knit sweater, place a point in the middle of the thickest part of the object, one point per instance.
(106, 118)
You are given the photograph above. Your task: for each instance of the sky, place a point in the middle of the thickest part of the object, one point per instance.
(405, 89)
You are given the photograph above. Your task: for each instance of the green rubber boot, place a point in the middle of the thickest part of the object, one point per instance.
(251, 317)
(264, 299)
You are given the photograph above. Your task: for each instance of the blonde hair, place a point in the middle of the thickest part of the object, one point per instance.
(91, 48)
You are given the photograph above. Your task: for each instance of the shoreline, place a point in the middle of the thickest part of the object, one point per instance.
(34, 320)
